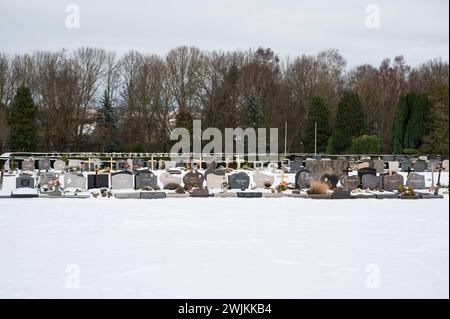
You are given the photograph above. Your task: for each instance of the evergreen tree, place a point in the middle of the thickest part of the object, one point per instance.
(436, 141)
(253, 116)
(349, 124)
(415, 129)
(366, 144)
(399, 125)
(22, 122)
(409, 126)
(318, 113)
(111, 131)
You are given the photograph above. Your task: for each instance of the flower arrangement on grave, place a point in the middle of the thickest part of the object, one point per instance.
(317, 188)
(104, 192)
(282, 187)
(401, 189)
(245, 167)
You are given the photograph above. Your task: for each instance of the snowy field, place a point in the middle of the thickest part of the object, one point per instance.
(223, 248)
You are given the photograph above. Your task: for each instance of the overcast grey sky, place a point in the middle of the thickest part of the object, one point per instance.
(418, 29)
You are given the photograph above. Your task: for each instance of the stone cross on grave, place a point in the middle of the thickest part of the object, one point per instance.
(239, 162)
(152, 163)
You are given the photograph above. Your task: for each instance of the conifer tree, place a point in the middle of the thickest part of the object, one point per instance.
(22, 122)
(111, 131)
(318, 113)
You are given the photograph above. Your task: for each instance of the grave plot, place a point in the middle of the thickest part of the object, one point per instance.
(239, 181)
(25, 187)
(122, 180)
(146, 179)
(98, 181)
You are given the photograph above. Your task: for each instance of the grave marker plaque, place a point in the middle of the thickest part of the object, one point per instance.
(214, 181)
(25, 181)
(419, 166)
(303, 178)
(98, 181)
(239, 181)
(371, 182)
(350, 183)
(379, 166)
(392, 182)
(28, 165)
(75, 181)
(193, 179)
(166, 178)
(122, 180)
(260, 179)
(59, 165)
(44, 164)
(146, 178)
(416, 181)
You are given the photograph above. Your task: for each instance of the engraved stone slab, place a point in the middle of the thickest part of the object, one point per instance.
(393, 182)
(416, 181)
(75, 181)
(239, 181)
(122, 180)
(260, 179)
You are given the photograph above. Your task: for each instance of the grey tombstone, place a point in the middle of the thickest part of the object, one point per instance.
(419, 166)
(214, 181)
(371, 182)
(28, 165)
(74, 163)
(170, 164)
(406, 165)
(379, 166)
(145, 178)
(122, 180)
(296, 165)
(239, 181)
(193, 179)
(303, 179)
(445, 165)
(350, 183)
(44, 164)
(260, 179)
(393, 166)
(25, 181)
(121, 165)
(59, 165)
(433, 165)
(416, 181)
(75, 181)
(138, 163)
(392, 182)
(388, 158)
(167, 178)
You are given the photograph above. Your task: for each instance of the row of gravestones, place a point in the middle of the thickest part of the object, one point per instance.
(338, 167)
(366, 179)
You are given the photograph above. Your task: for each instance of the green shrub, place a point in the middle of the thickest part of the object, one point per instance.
(365, 144)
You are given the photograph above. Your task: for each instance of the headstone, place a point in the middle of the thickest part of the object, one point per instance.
(49, 181)
(214, 181)
(303, 178)
(445, 165)
(145, 178)
(74, 163)
(319, 167)
(212, 169)
(296, 165)
(393, 166)
(25, 181)
(98, 181)
(406, 165)
(59, 165)
(419, 166)
(74, 181)
(350, 183)
(121, 165)
(130, 164)
(193, 179)
(433, 165)
(363, 165)
(44, 164)
(330, 179)
(366, 171)
(388, 158)
(95, 163)
(339, 167)
(260, 179)
(138, 163)
(416, 181)
(171, 164)
(28, 165)
(239, 181)
(392, 182)
(166, 178)
(122, 180)
(379, 166)
(372, 182)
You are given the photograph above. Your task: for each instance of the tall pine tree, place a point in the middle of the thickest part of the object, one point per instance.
(349, 124)
(253, 116)
(22, 122)
(110, 128)
(318, 113)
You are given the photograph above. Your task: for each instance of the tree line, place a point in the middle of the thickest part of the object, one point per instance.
(90, 99)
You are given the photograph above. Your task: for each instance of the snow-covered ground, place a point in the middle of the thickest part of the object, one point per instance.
(223, 248)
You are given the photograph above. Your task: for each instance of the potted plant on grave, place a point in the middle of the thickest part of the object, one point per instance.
(341, 193)
(409, 194)
(318, 190)
(282, 187)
